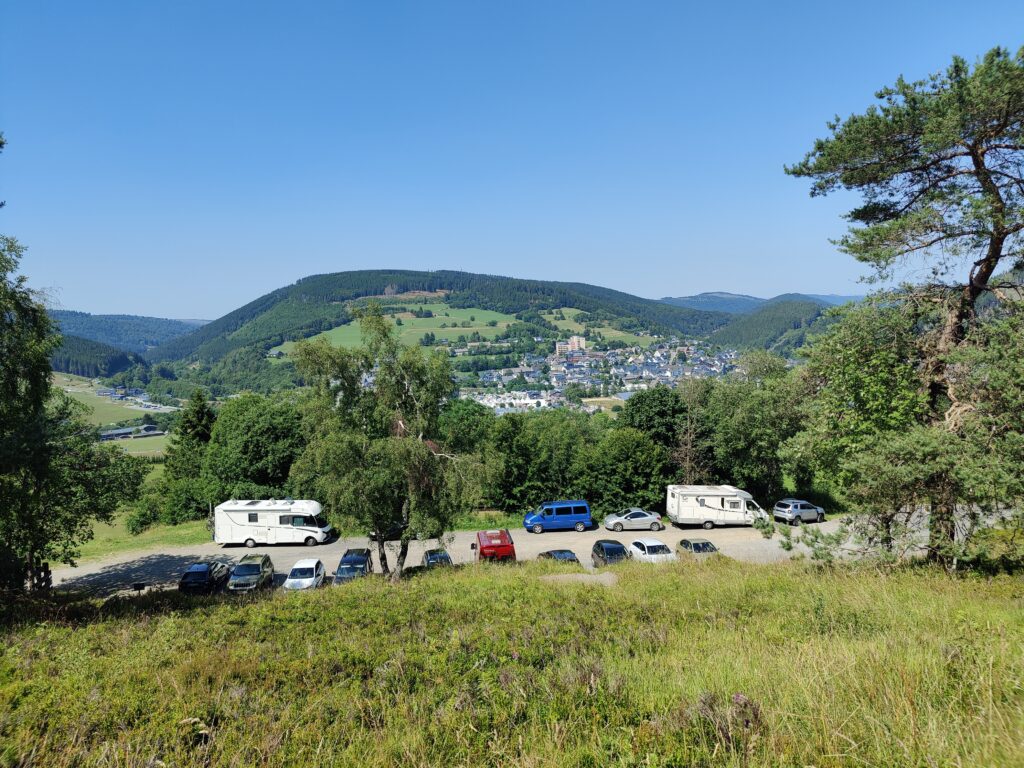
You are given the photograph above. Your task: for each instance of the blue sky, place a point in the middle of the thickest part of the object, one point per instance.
(180, 159)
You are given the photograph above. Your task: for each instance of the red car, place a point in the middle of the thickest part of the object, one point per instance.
(495, 546)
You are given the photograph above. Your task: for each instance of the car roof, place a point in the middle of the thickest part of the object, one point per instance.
(493, 537)
(252, 559)
(309, 562)
(648, 542)
(362, 551)
(554, 552)
(564, 501)
(790, 501)
(606, 542)
(697, 541)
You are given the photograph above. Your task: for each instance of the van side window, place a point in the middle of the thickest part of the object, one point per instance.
(580, 510)
(254, 517)
(563, 510)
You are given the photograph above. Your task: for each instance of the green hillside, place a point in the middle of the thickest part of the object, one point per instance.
(718, 301)
(132, 333)
(715, 664)
(321, 302)
(84, 357)
(780, 325)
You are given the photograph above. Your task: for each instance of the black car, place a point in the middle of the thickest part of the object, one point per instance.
(561, 555)
(252, 572)
(607, 552)
(353, 564)
(436, 558)
(394, 533)
(204, 578)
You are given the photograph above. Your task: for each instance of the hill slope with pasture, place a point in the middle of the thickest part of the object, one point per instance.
(323, 302)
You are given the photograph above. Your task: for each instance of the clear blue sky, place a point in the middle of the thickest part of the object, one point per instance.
(180, 159)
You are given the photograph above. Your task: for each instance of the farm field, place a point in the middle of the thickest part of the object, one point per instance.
(716, 664)
(413, 328)
(146, 446)
(611, 334)
(604, 403)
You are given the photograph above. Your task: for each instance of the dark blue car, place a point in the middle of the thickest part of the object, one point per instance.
(559, 516)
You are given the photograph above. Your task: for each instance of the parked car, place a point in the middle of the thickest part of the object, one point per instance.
(651, 551)
(495, 546)
(607, 552)
(204, 578)
(252, 572)
(353, 564)
(436, 558)
(796, 511)
(559, 516)
(696, 549)
(306, 574)
(394, 533)
(634, 519)
(562, 555)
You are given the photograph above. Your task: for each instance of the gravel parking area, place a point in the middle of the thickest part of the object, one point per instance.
(163, 567)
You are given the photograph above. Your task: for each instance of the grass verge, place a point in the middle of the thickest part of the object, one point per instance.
(722, 664)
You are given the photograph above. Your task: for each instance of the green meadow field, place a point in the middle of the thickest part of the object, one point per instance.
(413, 328)
(715, 664)
(103, 410)
(611, 334)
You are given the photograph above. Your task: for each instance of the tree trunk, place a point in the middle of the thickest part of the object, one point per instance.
(942, 531)
(403, 551)
(382, 553)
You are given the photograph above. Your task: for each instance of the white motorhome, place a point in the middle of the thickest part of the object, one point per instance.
(272, 521)
(711, 505)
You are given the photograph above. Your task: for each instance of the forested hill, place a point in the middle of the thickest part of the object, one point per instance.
(741, 304)
(132, 333)
(319, 302)
(85, 357)
(780, 325)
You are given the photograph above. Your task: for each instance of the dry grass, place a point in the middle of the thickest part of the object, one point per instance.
(721, 664)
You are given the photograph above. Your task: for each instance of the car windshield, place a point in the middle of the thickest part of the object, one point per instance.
(320, 521)
(344, 568)
(658, 549)
(704, 546)
(247, 569)
(301, 573)
(615, 550)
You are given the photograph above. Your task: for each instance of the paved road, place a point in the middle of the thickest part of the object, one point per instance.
(161, 567)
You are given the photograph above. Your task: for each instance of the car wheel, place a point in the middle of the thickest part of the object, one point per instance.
(821, 517)
(617, 527)
(796, 520)
(538, 528)
(310, 541)
(580, 527)
(655, 526)
(708, 525)
(250, 543)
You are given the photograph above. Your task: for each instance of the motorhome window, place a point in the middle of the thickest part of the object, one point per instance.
(285, 520)
(298, 520)
(700, 502)
(734, 505)
(253, 517)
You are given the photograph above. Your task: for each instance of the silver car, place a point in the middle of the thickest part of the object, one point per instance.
(795, 511)
(634, 519)
(696, 549)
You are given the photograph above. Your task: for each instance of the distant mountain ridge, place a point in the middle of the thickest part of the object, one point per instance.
(779, 325)
(741, 304)
(130, 333)
(320, 302)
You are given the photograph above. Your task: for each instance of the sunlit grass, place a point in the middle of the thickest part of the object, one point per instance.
(720, 664)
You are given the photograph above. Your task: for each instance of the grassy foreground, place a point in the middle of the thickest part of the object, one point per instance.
(725, 664)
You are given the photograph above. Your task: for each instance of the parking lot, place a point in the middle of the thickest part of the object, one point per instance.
(164, 567)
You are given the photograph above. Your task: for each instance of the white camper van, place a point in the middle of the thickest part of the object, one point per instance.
(287, 521)
(711, 505)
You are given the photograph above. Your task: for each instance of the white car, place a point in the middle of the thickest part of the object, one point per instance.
(306, 574)
(651, 551)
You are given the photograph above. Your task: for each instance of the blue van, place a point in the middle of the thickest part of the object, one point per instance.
(559, 516)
